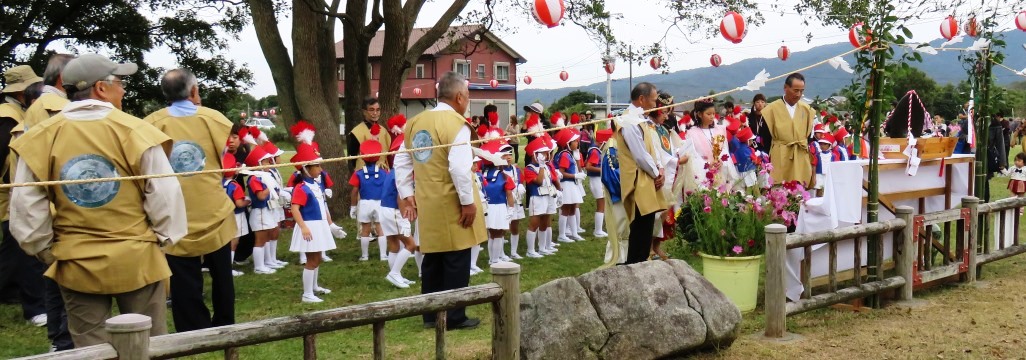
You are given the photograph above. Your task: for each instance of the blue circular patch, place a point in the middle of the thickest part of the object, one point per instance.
(94, 194)
(187, 156)
(420, 140)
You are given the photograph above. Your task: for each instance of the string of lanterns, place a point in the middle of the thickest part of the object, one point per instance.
(259, 113)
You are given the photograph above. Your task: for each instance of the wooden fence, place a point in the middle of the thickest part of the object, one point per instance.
(130, 332)
(915, 256)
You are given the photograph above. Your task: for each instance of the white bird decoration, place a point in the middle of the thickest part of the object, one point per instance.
(758, 82)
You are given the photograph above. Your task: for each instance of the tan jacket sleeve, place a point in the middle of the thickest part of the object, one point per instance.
(162, 198)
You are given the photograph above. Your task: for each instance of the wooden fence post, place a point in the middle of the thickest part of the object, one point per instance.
(506, 322)
(130, 335)
(972, 203)
(776, 265)
(906, 260)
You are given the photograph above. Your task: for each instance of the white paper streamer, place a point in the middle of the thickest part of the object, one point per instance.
(839, 64)
(979, 44)
(955, 40)
(758, 82)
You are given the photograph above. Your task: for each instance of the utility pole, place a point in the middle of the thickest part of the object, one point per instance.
(609, 77)
(630, 69)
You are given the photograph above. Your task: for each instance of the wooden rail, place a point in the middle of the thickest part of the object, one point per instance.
(1005, 211)
(130, 340)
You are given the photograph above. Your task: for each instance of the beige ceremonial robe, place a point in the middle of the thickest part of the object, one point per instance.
(48, 105)
(789, 152)
(637, 188)
(362, 133)
(8, 112)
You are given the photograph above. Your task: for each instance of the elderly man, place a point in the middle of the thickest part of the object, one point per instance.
(53, 98)
(199, 135)
(93, 258)
(15, 265)
(641, 172)
(790, 123)
(453, 221)
(362, 131)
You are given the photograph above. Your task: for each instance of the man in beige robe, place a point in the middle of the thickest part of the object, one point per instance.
(790, 122)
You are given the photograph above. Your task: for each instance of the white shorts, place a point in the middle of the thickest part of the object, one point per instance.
(368, 211)
(393, 223)
(597, 190)
(497, 218)
(571, 193)
(518, 213)
(261, 219)
(242, 225)
(542, 205)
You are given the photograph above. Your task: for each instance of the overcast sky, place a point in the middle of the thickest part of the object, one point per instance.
(548, 51)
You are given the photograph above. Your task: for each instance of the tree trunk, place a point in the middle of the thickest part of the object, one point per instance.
(394, 65)
(277, 57)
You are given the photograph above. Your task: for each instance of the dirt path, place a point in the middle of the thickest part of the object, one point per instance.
(956, 322)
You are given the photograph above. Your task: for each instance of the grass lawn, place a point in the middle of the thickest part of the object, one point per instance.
(963, 322)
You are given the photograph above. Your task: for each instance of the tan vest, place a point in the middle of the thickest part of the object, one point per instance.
(103, 243)
(198, 142)
(15, 113)
(636, 187)
(789, 152)
(43, 108)
(438, 202)
(361, 133)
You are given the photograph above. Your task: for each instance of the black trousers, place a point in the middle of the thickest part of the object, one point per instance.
(187, 306)
(245, 248)
(516, 153)
(446, 271)
(56, 317)
(24, 270)
(639, 243)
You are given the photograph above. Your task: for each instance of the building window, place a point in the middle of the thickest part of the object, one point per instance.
(340, 70)
(420, 71)
(480, 71)
(462, 67)
(502, 71)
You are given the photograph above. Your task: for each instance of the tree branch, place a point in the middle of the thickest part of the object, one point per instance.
(436, 31)
(324, 10)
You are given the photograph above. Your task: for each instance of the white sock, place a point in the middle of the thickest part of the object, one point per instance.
(474, 252)
(233, 256)
(324, 254)
(268, 254)
(548, 238)
(571, 226)
(562, 226)
(514, 242)
(500, 244)
(274, 251)
(400, 261)
(599, 219)
(364, 244)
(302, 258)
(493, 256)
(577, 220)
(258, 258)
(382, 247)
(532, 237)
(317, 274)
(419, 258)
(391, 258)
(309, 282)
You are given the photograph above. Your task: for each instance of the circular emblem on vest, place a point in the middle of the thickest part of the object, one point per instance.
(93, 194)
(422, 139)
(187, 156)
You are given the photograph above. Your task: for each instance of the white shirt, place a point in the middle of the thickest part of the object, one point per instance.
(633, 135)
(32, 224)
(461, 158)
(791, 108)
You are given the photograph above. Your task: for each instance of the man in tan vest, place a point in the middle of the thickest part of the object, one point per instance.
(361, 132)
(199, 135)
(104, 242)
(641, 173)
(790, 122)
(16, 266)
(453, 221)
(53, 98)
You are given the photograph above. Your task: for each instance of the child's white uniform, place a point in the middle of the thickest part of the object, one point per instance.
(314, 211)
(542, 200)
(518, 194)
(262, 215)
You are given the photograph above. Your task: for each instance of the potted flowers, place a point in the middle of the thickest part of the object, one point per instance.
(726, 227)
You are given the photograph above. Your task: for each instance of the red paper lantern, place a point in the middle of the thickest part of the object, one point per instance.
(264, 113)
(732, 27)
(715, 60)
(971, 27)
(242, 115)
(527, 80)
(783, 53)
(417, 91)
(549, 12)
(273, 112)
(493, 83)
(609, 66)
(859, 37)
(563, 75)
(949, 28)
(1020, 21)
(655, 62)
(256, 113)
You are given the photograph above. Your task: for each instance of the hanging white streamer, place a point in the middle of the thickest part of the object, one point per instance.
(493, 158)
(955, 40)
(979, 44)
(758, 82)
(839, 64)
(927, 49)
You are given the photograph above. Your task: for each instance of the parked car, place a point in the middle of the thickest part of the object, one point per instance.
(260, 123)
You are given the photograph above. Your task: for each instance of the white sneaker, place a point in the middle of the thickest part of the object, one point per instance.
(542, 252)
(580, 231)
(282, 263)
(534, 255)
(408, 281)
(515, 256)
(397, 281)
(237, 273)
(601, 234)
(363, 258)
(311, 299)
(505, 258)
(564, 239)
(553, 250)
(555, 245)
(274, 265)
(492, 262)
(327, 258)
(384, 259)
(320, 290)
(576, 237)
(38, 320)
(204, 269)
(264, 271)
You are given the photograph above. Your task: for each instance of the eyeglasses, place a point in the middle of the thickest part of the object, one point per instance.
(118, 81)
(373, 110)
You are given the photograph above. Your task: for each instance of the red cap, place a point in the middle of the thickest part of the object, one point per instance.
(305, 152)
(827, 139)
(841, 133)
(745, 134)
(603, 135)
(565, 137)
(733, 125)
(819, 128)
(256, 155)
(271, 149)
(370, 146)
(737, 109)
(538, 144)
(227, 162)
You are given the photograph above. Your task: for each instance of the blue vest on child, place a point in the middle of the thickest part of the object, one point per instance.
(742, 155)
(372, 180)
(389, 192)
(532, 188)
(594, 151)
(572, 170)
(255, 202)
(229, 188)
(312, 210)
(494, 181)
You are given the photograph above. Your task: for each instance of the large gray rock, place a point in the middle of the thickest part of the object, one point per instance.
(642, 311)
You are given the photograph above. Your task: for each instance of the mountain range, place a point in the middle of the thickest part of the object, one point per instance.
(822, 81)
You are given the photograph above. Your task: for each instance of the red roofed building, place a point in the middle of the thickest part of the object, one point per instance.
(471, 50)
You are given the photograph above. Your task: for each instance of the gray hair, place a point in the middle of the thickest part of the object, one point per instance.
(450, 85)
(54, 68)
(177, 84)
